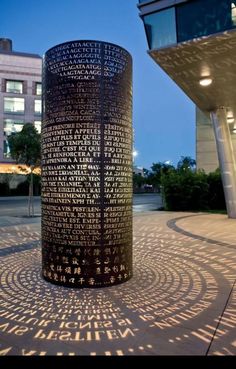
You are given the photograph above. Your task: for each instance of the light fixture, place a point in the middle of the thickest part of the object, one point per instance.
(230, 120)
(206, 81)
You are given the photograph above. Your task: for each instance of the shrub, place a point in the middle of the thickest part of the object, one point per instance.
(4, 189)
(185, 190)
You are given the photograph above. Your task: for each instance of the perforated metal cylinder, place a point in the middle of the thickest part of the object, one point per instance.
(87, 164)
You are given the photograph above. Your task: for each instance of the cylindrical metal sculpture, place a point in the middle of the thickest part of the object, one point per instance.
(87, 164)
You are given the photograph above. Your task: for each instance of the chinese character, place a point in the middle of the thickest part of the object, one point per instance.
(91, 281)
(112, 279)
(65, 260)
(75, 261)
(59, 268)
(77, 270)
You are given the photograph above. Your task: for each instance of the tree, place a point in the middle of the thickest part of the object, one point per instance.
(25, 149)
(158, 170)
(186, 163)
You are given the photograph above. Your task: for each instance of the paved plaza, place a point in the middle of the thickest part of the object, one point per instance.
(180, 301)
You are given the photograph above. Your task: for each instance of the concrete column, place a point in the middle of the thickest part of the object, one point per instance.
(226, 158)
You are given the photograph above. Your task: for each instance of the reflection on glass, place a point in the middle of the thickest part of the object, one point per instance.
(37, 124)
(201, 18)
(37, 106)
(148, 1)
(12, 126)
(233, 12)
(6, 150)
(161, 28)
(38, 88)
(15, 87)
(14, 105)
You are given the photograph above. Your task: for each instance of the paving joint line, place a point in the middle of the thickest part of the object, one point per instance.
(221, 316)
(172, 225)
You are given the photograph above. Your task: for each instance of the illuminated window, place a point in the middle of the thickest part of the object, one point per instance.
(12, 126)
(38, 88)
(37, 124)
(6, 150)
(161, 28)
(37, 106)
(233, 12)
(15, 87)
(14, 105)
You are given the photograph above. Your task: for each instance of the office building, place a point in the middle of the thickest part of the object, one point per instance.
(194, 42)
(20, 95)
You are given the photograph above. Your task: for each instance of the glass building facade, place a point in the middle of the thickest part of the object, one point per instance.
(147, 1)
(188, 20)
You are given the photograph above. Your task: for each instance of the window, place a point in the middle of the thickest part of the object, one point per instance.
(12, 126)
(38, 88)
(201, 18)
(233, 12)
(37, 124)
(6, 150)
(37, 106)
(147, 1)
(15, 87)
(161, 28)
(14, 105)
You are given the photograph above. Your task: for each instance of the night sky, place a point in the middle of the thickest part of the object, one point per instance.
(163, 116)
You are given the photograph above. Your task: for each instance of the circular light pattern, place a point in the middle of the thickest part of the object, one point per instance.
(172, 305)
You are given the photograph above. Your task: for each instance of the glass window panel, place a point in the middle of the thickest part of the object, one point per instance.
(37, 124)
(38, 88)
(201, 18)
(15, 87)
(14, 105)
(6, 150)
(161, 28)
(12, 126)
(148, 1)
(233, 12)
(37, 106)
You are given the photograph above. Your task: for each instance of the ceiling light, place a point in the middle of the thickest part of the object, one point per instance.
(230, 119)
(206, 81)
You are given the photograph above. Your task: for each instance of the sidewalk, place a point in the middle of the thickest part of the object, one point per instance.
(180, 301)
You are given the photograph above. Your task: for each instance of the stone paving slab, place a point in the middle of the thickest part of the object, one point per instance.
(180, 301)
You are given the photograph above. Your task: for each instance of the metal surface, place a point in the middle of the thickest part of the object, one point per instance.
(87, 164)
(226, 159)
(213, 56)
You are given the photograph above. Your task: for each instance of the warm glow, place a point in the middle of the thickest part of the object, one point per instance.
(207, 81)
(17, 169)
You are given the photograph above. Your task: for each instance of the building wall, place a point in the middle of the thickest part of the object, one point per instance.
(206, 154)
(21, 67)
